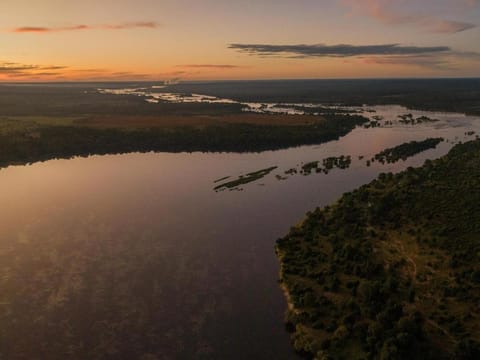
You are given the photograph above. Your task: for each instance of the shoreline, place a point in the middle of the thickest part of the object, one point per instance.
(32, 141)
(282, 285)
(349, 281)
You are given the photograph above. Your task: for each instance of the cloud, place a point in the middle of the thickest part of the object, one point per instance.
(209, 66)
(37, 29)
(133, 25)
(379, 10)
(447, 61)
(431, 57)
(125, 75)
(15, 69)
(123, 26)
(34, 29)
(25, 72)
(53, 67)
(342, 50)
(48, 73)
(384, 12)
(11, 67)
(449, 27)
(424, 61)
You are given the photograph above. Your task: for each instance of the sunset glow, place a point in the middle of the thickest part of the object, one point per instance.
(48, 40)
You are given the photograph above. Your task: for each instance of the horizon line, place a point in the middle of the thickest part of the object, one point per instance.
(240, 80)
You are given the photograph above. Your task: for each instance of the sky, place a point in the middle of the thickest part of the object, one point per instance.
(120, 40)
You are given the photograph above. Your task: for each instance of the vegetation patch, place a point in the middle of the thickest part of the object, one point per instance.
(245, 179)
(340, 162)
(406, 150)
(408, 119)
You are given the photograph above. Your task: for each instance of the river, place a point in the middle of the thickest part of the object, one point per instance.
(137, 257)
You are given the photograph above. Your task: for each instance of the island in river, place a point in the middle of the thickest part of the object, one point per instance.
(406, 150)
(391, 270)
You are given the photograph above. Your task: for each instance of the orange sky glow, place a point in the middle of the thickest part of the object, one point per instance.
(123, 40)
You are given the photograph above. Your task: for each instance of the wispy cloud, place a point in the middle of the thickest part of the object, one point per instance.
(131, 25)
(122, 26)
(31, 72)
(424, 61)
(121, 75)
(384, 12)
(12, 69)
(472, 2)
(449, 27)
(431, 57)
(448, 61)
(15, 71)
(209, 66)
(342, 50)
(39, 29)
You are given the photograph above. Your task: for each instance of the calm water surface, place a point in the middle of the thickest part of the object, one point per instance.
(198, 266)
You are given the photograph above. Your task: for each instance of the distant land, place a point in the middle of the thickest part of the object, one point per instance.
(455, 95)
(60, 120)
(443, 94)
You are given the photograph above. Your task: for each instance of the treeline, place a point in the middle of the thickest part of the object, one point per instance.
(391, 271)
(408, 119)
(48, 142)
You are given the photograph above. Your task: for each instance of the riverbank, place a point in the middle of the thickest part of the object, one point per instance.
(392, 268)
(37, 139)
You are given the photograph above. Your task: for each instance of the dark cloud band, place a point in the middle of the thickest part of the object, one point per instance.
(209, 66)
(343, 50)
(11, 68)
(123, 26)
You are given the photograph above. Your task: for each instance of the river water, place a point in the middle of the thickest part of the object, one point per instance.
(136, 255)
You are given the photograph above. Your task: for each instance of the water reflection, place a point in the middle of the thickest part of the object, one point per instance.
(131, 255)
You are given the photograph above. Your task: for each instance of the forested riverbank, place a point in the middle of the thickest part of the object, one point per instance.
(391, 270)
